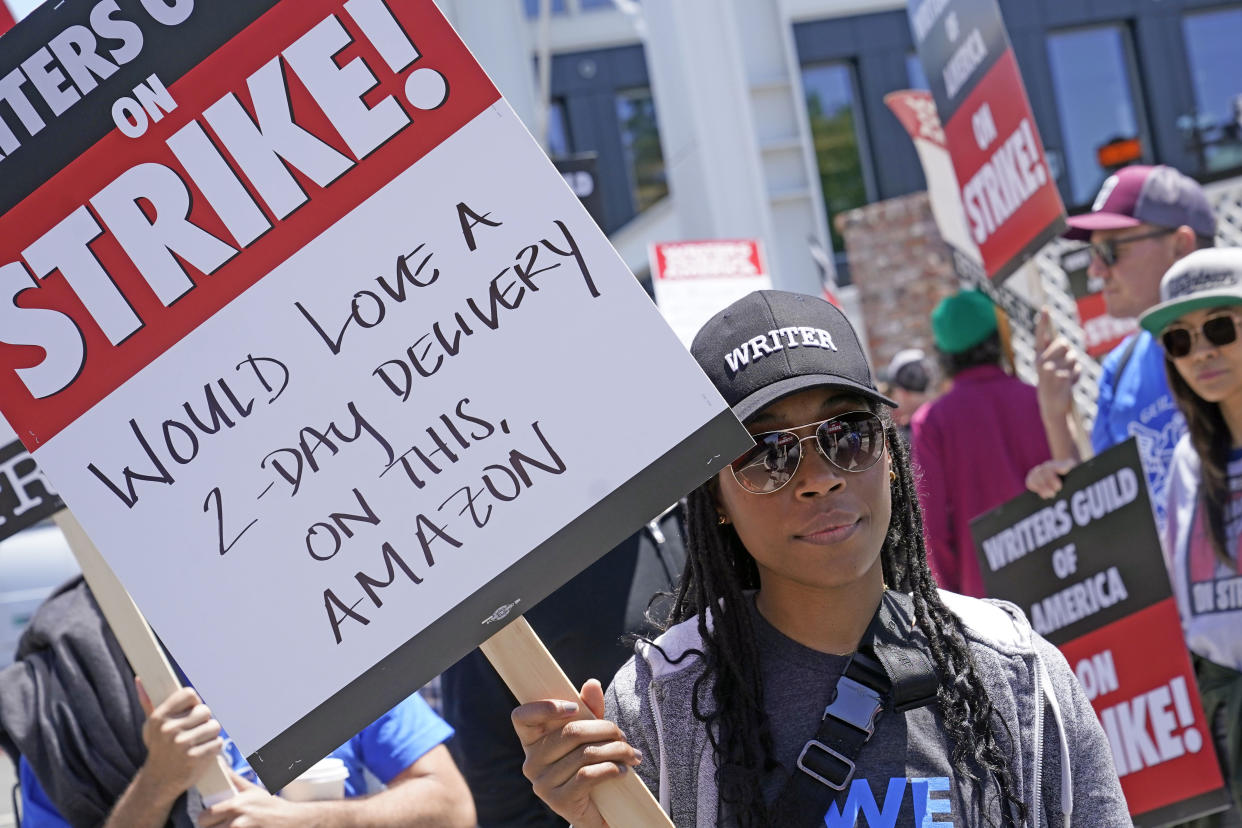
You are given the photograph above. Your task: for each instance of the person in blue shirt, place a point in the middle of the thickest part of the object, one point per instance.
(65, 708)
(405, 745)
(1143, 220)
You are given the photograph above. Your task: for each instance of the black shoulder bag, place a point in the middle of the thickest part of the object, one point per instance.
(888, 672)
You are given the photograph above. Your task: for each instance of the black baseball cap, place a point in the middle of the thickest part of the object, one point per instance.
(772, 343)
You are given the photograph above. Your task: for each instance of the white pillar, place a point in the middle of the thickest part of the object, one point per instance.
(706, 130)
(733, 129)
(497, 35)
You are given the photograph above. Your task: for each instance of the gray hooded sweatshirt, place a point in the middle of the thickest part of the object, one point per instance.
(1064, 771)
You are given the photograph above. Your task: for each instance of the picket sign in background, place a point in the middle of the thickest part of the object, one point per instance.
(693, 280)
(337, 486)
(1006, 188)
(1087, 569)
(26, 496)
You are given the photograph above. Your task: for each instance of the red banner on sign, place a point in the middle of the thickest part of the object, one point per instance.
(72, 219)
(916, 110)
(1009, 195)
(714, 259)
(1150, 709)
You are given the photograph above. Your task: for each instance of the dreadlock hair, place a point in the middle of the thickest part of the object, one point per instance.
(1211, 439)
(719, 570)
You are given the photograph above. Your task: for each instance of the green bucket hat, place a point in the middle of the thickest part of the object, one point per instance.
(962, 321)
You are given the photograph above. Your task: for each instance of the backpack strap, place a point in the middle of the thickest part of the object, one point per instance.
(887, 672)
(1124, 361)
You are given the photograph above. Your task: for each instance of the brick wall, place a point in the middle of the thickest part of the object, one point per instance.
(901, 268)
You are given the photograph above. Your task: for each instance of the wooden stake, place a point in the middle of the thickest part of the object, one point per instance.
(136, 639)
(532, 674)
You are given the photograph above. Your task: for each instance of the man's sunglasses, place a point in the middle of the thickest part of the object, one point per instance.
(1106, 251)
(1218, 331)
(853, 442)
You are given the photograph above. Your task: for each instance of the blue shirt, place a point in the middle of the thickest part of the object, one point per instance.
(1138, 404)
(386, 747)
(391, 743)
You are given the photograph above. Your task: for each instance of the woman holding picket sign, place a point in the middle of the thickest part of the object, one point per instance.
(1197, 323)
(813, 674)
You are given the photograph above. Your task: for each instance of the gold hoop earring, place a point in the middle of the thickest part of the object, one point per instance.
(892, 476)
(722, 520)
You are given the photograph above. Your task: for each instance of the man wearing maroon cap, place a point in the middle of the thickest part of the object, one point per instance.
(1143, 220)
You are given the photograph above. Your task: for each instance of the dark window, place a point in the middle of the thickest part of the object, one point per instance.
(830, 106)
(876, 53)
(559, 140)
(640, 141)
(1213, 129)
(1094, 86)
(603, 105)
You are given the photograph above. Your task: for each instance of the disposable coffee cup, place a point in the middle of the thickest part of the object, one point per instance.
(324, 780)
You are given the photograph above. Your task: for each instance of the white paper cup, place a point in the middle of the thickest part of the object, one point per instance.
(324, 780)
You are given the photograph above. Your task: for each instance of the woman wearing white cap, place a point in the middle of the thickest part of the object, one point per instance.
(813, 674)
(1197, 324)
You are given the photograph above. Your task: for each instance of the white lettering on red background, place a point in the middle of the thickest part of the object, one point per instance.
(146, 208)
(1151, 728)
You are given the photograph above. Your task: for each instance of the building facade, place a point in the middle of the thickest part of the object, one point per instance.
(765, 118)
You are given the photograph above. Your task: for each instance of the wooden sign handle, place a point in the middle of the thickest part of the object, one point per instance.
(136, 639)
(533, 674)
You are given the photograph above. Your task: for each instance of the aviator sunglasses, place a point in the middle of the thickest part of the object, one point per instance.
(853, 442)
(1218, 331)
(1107, 253)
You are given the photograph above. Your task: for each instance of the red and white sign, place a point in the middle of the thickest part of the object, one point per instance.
(1149, 707)
(1088, 569)
(1101, 332)
(1008, 193)
(693, 280)
(1010, 199)
(916, 110)
(318, 347)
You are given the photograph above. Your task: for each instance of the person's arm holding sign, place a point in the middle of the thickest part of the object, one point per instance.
(567, 759)
(1058, 372)
(182, 739)
(430, 792)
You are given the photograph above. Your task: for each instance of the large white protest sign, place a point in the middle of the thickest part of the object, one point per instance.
(325, 357)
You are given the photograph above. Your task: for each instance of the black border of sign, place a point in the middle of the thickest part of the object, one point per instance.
(1056, 228)
(576, 546)
(1206, 803)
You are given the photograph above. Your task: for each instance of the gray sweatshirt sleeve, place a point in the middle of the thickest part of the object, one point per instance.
(1097, 790)
(626, 703)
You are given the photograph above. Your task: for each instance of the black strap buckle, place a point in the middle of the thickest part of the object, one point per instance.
(856, 704)
(827, 764)
(888, 671)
